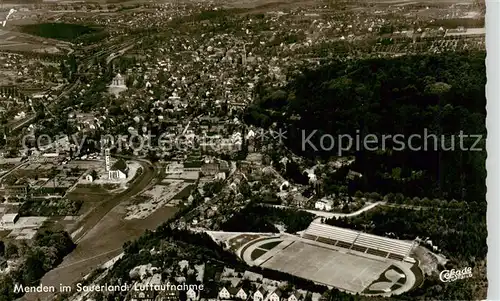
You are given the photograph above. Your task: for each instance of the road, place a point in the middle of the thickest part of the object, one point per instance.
(327, 214)
(22, 164)
(101, 238)
(24, 122)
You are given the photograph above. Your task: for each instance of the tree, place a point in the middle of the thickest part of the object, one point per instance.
(11, 251)
(94, 174)
(64, 70)
(6, 288)
(120, 165)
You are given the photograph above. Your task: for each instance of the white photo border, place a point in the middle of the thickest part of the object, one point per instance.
(493, 145)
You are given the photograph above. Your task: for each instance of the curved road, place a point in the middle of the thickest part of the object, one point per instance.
(101, 238)
(328, 214)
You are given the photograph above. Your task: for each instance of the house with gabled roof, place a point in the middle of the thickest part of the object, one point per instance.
(168, 295)
(274, 295)
(259, 294)
(191, 294)
(294, 296)
(224, 294)
(146, 295)
(240, 293)
(232, 293)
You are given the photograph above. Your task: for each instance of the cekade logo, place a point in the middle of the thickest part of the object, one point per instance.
(453, 275)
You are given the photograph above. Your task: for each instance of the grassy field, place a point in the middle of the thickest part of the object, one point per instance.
(327, 266)
(184, 193)
(88, 197)
(93, 189)
(257, 253)
(383, 278)
(419, 275)
(59, 31)
(270, 245)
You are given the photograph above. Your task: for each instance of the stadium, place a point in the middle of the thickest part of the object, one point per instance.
(348, 260)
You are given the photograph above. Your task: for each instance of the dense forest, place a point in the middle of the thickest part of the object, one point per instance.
(256, 218)
(46, 251)
(439, 95)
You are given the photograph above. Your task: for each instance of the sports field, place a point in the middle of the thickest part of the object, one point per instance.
(327, 266)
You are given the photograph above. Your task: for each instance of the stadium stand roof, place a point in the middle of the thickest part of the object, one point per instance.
(349, 238)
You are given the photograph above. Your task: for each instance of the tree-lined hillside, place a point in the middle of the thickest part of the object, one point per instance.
(439, 94)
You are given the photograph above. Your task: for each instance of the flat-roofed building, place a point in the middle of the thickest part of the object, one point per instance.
(9, 219)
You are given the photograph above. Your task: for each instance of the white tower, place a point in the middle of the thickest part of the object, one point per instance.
(107, 160)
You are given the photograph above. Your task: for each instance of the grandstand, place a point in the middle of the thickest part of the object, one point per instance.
(359, 241)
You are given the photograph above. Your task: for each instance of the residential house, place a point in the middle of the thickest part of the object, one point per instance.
(147, 295)
(168, 295)
(220, 176)
(224, 294)
(259, 294)
(274, 296)
(20, 115)
(239, 293)
(284, 186)
(210, 169)
(324, 204)
(295, 296)
(174, 168)
(89, 178)
(191, 294)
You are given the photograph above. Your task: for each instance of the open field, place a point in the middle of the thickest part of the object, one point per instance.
(59, 31)
(257, 253)
(89, 199)
(322, 265)
(93, 189)
(16, 41)
(269, 245)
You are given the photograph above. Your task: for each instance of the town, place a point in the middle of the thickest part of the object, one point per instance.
(157, 144)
